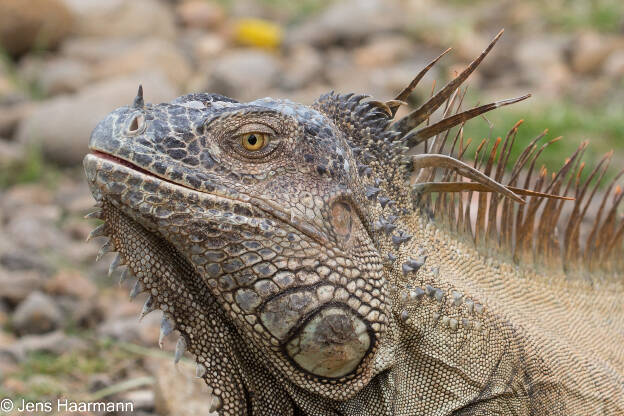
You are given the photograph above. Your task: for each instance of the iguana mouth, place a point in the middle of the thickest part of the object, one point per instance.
(128, 164)
(270, 209)
(121, 161)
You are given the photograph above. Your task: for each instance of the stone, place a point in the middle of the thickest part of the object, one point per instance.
(93, 50)
(72, 283)
(82, 312)
(142, 57)
(614, 65)
(120, 18)
(383, 50)
(34, 228)
(201, 14)
(177, 391)
(15, 286)
(141, 399)
(543, 62)
(62, 126)
(208, 46)
(63, 75)
(74, 197)
(347, 22)
(33, 24)
(130, 329)
(11, 153)
(56, 342)
(11, 115)
(244, 74)
(4, 315)
(302, 66)
(590, 50)
(8, 92)
(37, 314)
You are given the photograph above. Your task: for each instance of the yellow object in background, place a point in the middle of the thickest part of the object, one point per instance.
(258, 32)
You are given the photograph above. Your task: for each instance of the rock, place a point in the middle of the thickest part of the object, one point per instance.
(99, 381)
(62, 126)
(8, 89)
(11, 94)
(177, 391)
(343, 75)
(11, 115)
(130, 329)
(120, 18)
(201, 14)
(141, 399)
(302, 66)
(95, 50)
(11, 153)
(18, 260)
(614, 65)
(4, 316)
(24, 195)
(389, 81)
(30, 24)
(72, 283)
(6, 338)
(34, 228)
(37, 314)
(15, 286)
(383, 50)
(348, 22)
(244, 73)
(63, 75)
(590, 50)
(543, 63)
(74, 197)
(208, 46)
(55, 342)
(81, 312)
(143, 57)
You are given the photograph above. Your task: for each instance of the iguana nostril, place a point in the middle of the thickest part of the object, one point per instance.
(136, 124)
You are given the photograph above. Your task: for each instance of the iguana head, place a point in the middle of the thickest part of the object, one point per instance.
(265, 201)
(273, 235)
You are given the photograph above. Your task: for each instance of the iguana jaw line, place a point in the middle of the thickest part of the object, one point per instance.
(271, 209)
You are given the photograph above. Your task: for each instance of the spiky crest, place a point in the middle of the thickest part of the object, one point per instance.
(544, 229)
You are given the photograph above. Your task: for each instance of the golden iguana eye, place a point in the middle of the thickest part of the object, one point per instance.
(254, 141)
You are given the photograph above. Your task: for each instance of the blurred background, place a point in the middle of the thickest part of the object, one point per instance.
(66, 329)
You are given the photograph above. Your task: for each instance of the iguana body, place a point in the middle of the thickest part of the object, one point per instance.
(306, 274)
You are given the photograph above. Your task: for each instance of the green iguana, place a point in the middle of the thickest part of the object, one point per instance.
(309, 272)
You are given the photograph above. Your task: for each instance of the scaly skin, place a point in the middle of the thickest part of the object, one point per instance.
(305, 278)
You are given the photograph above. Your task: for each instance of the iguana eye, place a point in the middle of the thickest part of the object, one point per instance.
(254, 141)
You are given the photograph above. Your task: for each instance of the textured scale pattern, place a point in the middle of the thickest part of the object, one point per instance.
(336, 269)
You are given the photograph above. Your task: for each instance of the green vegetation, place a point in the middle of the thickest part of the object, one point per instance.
(602, 15)
(45, 376)
(290, 11)
(570, 15)
(8, 65)
(602, 127)
(32, 168)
